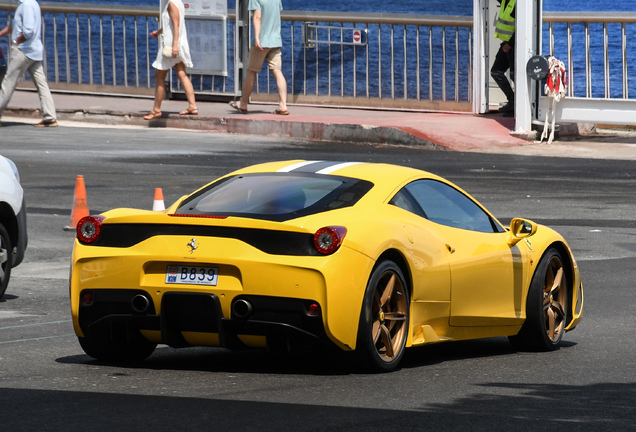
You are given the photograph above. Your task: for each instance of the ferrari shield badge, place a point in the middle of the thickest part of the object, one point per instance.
(193, 245)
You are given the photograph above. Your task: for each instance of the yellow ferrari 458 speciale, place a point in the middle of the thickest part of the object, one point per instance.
(371, 258)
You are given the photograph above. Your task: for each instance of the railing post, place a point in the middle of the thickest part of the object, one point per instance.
(241, 45)
(309, 34)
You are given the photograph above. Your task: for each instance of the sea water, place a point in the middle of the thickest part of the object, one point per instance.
(434, 7)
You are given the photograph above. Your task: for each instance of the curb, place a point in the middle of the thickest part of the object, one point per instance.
(284, 128)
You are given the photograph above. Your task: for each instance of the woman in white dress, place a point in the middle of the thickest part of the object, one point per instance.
(173, 34)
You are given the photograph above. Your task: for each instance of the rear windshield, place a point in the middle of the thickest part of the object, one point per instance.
(275, 196)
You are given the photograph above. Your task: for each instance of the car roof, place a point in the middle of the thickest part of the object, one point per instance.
(386, 178)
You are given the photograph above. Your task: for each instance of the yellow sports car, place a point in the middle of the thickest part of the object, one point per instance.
(371, 258)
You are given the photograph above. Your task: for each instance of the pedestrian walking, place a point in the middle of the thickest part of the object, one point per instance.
(174, 51)
(505, 58)
(27, 53)
(3, 62)
(266, 47)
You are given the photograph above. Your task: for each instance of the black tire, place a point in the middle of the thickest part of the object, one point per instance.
(117, 344)
(546, 306)
(5, 259)
(384, 319)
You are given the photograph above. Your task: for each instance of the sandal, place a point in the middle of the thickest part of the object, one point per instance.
(280, 112)
(152, 115)
(190, 111)
(234, 105)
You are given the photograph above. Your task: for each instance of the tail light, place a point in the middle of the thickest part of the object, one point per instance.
(313, 310)
(87, 298)
(327, 240)
(89, 228)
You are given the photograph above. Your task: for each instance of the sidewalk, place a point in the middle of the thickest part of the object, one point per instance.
(455, 132)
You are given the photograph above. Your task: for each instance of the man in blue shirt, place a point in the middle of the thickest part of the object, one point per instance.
(27, 53)
(267, 44)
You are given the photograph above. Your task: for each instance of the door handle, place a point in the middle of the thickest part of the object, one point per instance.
(451, 250)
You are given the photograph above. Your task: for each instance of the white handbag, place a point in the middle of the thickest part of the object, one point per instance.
(167, 50)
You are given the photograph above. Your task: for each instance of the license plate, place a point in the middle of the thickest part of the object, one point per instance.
(188, 275)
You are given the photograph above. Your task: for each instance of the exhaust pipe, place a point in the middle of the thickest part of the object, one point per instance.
(140, 303)
(242, 308)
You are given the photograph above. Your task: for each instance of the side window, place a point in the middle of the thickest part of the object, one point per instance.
(404, 200)
(445, 205)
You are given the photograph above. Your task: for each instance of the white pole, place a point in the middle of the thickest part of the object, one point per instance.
(481, 33)
(527, 26)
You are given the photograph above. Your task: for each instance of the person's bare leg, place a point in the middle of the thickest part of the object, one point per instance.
(281, 84)
(187, 87)
(248, 87)
(160, 92)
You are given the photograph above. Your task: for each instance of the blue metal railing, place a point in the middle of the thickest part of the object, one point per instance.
(596, 49)
(408, 61)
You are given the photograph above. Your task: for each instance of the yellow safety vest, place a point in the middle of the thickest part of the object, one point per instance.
(505, 23)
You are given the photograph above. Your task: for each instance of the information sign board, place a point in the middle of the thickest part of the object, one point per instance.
(207, 37)
(205, 7)
(206, 25)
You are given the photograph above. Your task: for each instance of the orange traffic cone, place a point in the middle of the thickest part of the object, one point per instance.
(158, 204)
(80, 206)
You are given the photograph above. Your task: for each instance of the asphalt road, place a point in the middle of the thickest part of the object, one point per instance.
(48, 384)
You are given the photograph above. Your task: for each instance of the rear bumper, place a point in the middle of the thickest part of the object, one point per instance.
(186, 313)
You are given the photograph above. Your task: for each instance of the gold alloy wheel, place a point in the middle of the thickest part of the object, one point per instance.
(389, 313)
(554, 299)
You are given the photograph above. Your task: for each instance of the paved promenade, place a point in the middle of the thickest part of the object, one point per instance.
(455, 132)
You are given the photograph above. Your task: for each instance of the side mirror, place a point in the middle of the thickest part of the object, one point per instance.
(520, 229)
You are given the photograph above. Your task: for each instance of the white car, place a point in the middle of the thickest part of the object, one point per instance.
(13, 233)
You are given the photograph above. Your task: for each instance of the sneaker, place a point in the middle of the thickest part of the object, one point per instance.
(509, 107)
(44, 123)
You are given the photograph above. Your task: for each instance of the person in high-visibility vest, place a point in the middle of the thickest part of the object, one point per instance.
(505, 58)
